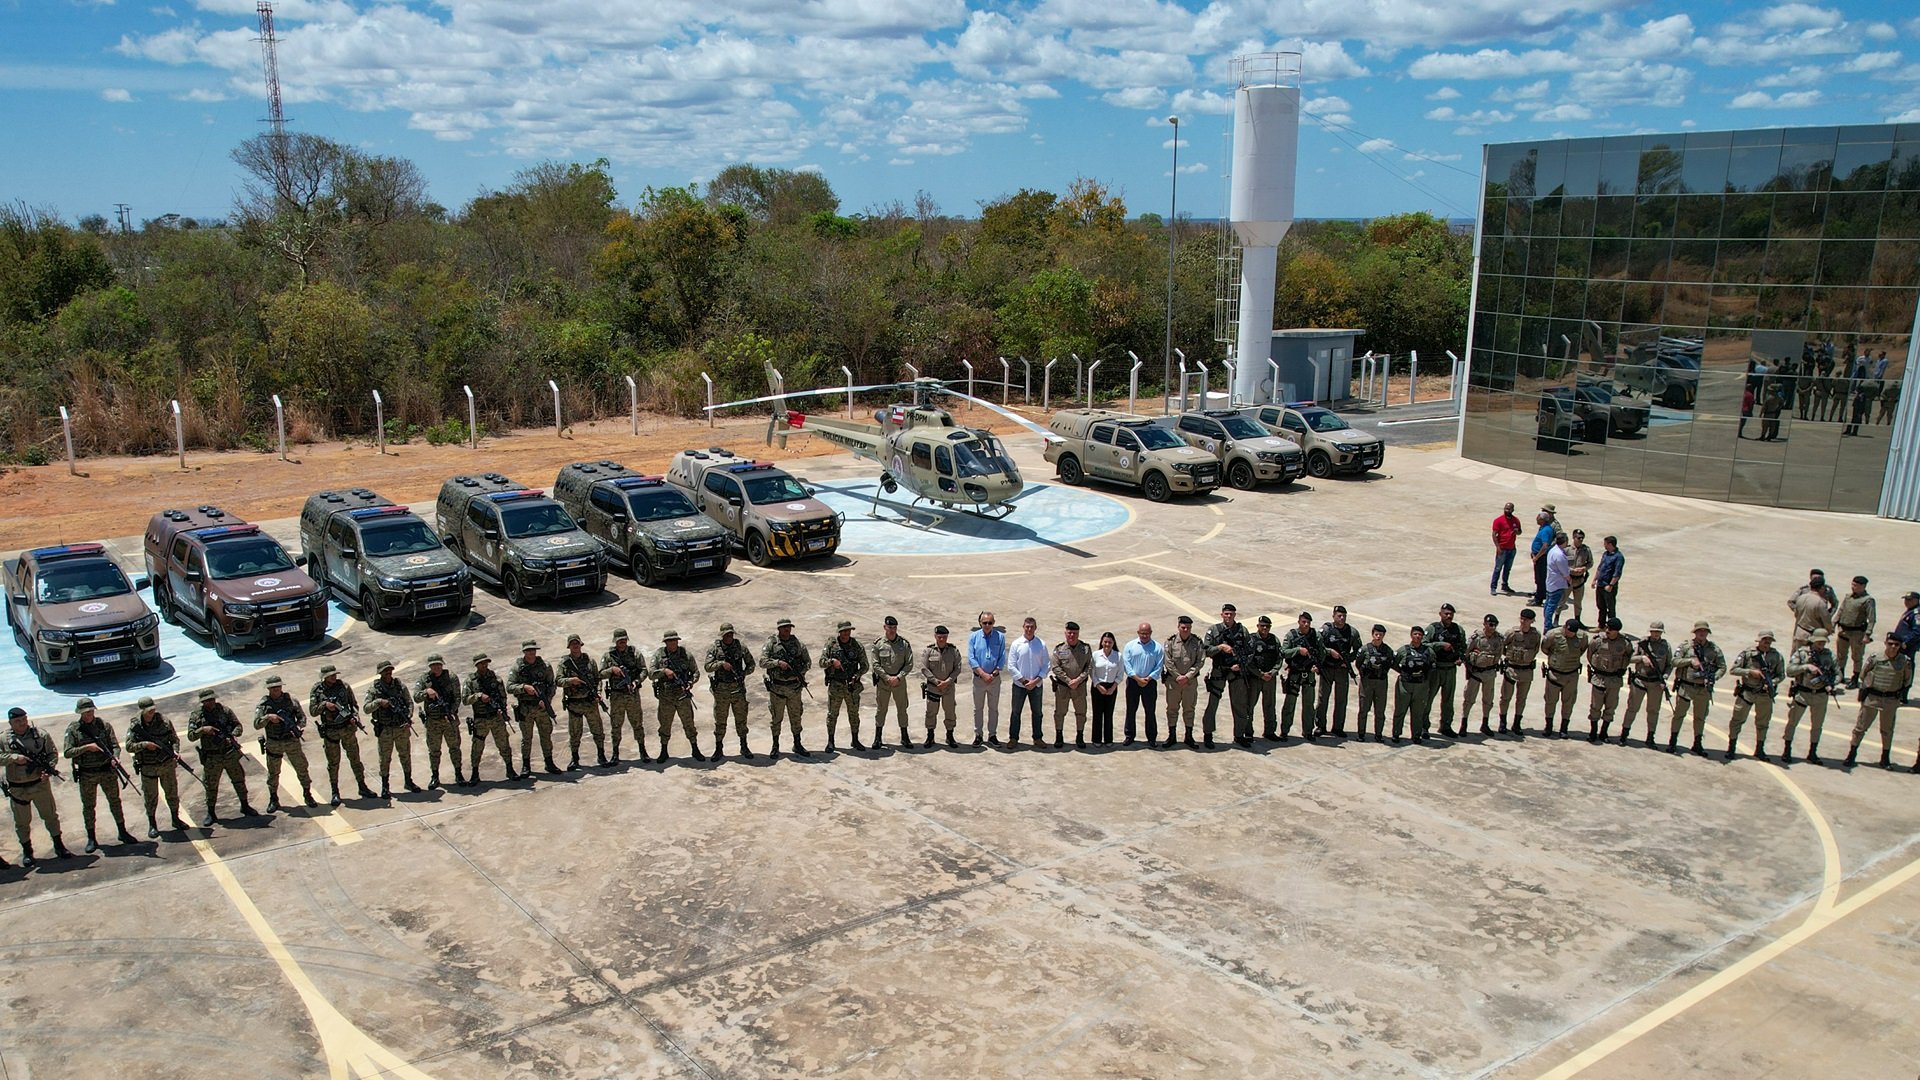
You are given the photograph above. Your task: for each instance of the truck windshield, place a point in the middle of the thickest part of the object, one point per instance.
(86, 580)
(405, 537)
(539, 519)
(659, 504)
(1157, 438)
(244, 558)
(1322, 420)
(983, 458)
(1242, 428)
(773, 489)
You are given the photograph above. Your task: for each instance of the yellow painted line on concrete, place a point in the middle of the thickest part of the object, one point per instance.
(1213, 532)
(1353, 616)
(350, 1051)
(1137, 558)
(447, 638)
(1217, 512)
(990, 573)
(330, 823)
(1128, 579)
(1838, 728)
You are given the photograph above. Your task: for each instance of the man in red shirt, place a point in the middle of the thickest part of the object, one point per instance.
(1506, 533)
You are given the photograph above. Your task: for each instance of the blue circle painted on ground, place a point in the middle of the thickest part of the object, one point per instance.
(186, 663)
(1045, 515)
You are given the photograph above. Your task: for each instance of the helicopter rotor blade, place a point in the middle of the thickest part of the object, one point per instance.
(800, 393)
(1008, 413)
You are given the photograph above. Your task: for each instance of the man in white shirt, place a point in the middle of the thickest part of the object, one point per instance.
(1558, 574)
(1028, 662)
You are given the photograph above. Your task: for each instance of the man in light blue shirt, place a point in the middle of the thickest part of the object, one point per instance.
(1542, 543)
(986, 655)
(1142, 660)
(1559, 572)
(1028, 663)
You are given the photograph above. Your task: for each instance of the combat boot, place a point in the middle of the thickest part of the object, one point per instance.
(552, 768)
(210, 820)
(1623, 740)
(407, 779)
(1487, 728)
(307, 794)
(858, 746)
(951, 741)
(247, 810)
(60, 849)
(744, 751)
(1886, 758)
(125, 837)
(458, 779)
(697, 755)
(600, 751)
(1446, 730)
(335, 801)
(800, 751)
(177, 822)
(928, 745)
(92, 844)
(26, 854)
(574, 762)
(1059, 743)
(1852, 753)
(273, 802)
(1761, 755)
(365, 791)
(1698, 749)
(433, 781)
(1814, 759)
(1564, 721)
(153, 828)
(385, 791)
(1673, 742)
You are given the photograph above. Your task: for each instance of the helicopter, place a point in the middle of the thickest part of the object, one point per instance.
(918, 447)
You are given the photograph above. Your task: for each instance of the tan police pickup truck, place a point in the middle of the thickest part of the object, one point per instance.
(1331, 444)
(75, 613)
(1123, 448)
(769, 513)
(229, 580)
(1247, 454)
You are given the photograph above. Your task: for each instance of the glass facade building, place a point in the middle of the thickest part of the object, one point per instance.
(1721, 315)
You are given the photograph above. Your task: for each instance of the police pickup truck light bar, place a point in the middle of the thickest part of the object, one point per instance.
(375, 511)
(66, 551)
(509, 496)
(628, 483)
(212, 531)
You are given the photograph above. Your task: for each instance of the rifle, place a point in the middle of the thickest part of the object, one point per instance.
(119, 770)
(1640, 649)
(182, 762)
(44, 762)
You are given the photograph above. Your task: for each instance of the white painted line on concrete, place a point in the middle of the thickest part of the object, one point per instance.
(1425, 420)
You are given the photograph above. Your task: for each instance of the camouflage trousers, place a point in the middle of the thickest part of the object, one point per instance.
(1695, 698)
(786, 704)
(348, 741)
(624, 712)
(485, 728)
(1812, 704)
(890, 697)
(1652, 693)
(395, 740)
(729, 700)
(91, 784)
(442, 731)
(678, 707)
(1762, 706)
(26, 799)
(842, 695)
(215, 766)
(156, 780)
(534, 720)
(288, 750)
(583, 717)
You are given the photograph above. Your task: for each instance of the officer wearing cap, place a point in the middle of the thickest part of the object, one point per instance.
(215, 730)
(941, 666)
(625, 670)
(1884, 686)
(1373, 663)
(437, 691)
(1413, 692)
(284, 724)
(93, 748)
(674, 676)
(728, 665)
(1695, 671)
(1607, 659)
(1070, 670)
(30, 758)
(1300, 654)
(892, 658)
(1448, 640)
(1564, 647)
(1907, 630)
(1263, 669)
(580, 693)
(784, 664)
(1339, 645)
(1483, 654)
(335, 712)
(1815, 677)
(155, 747)
(1854, 622)
(1647, 680)
(1759, 670)
(487, 696)
(843, 665)
(531, 682)
(1181, 657)
(1519, 651)
(392, 708)
(1226, 644)
(1812, 606)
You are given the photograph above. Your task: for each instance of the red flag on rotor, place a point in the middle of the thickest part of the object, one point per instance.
(795, 419)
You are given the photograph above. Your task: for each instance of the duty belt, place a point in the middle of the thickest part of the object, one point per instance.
(1882, 693)
(1477, 668)
(1854, 629)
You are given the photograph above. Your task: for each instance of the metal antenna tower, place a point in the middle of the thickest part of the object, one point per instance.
(277, 121)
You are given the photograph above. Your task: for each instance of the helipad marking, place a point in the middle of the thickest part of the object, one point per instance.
(1218, 528)
(330, 823)
(1045, 515)
(1353, 617)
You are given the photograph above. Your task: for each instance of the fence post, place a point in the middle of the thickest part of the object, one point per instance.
(179, 434)
(66, 429)
(1233, 376)
(1046, 384)
(379, 424)
(280, 421)
(633, 403)
(1090, 371)
(848, 372)
(968, 364)
(1026, 392)
(1133, 380)
(1206, 382)
(916, 383)
(1006, 382)
(1273, 395)
(1079, 374)
(708, 379)
(473, 424)
(1413, 373)
(1183, 383)
(555, 387)
(1453, 388)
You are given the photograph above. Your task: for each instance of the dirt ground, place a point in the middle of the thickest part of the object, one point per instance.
(114, 496)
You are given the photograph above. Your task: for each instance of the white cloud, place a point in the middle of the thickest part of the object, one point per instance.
(203, 95)
(1793, 99)
(1637, 83)
(1374, 146)
(1136, 97)
(1324, 61)
(1873, 61)
(1426, 155)
(1529, 92)
(1201, 101)
(1445, 93)
(1475, 119)
(1881, 31)
(1566, 110)
(1168, 144)
(1798, 16)
(116, 94)
(1196, 167)
(1911, 116)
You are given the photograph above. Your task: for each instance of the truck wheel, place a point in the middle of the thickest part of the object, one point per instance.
(516, 593)
(47, 678)
(1240, 475)
(370, 611)
(757, 553)
(163, 604)
(1319, 465)
(642, 565)
(1156, 487)
(222, 644)
(1070, 473)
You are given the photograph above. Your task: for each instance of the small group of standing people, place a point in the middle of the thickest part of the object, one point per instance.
(1564, 568)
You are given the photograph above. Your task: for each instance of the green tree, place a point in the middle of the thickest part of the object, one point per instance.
(776, 197)
(44, 264)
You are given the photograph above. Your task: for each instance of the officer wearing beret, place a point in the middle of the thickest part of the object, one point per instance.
(941, 666)
(1854, 622)
(1607, 660)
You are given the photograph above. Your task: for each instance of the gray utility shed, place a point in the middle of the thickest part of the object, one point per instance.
(1315, 364)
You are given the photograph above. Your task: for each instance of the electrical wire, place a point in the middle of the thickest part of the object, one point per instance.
(1390, 171)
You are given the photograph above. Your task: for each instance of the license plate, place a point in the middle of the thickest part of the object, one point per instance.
(574, 583)
(702, 564)
(817, 545)
(107, 658)
(288, 628)
(435, 605)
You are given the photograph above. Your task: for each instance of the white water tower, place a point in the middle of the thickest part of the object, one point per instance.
(1266, 144)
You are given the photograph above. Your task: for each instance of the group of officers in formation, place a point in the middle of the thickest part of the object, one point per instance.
(1309, 670)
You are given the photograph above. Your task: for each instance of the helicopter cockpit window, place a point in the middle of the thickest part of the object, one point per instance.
(922, 456)
(943, 459)
(979, 458)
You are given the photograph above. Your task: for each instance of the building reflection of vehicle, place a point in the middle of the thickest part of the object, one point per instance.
(1666, 369)
(1558, 423)
(1601, 406)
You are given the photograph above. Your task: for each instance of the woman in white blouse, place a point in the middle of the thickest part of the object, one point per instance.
(1107, 674)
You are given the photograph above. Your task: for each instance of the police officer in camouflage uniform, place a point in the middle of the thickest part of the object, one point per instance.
(625, 670)
(892, 658)
(532, 686)
(1884, 684)
(1815, 676)
(843, 665)
(31, 758)
(487, 697)
(1300, 655)
(1759, 670)
(1070, 670)
(437, 691)
(940, 668)
(1647, 680)
(284, 723)
(1448, 641)
(92, 747)
(1263, 668)
(1339, 644)
(1413, 693)
(728, 665)
(580, 693)
(1518, 653)
(1373, 663)
(155, 747)
(1484, 655)
(1695, 670)
(674, 677)
(336, 716)
(1564, 648)
(1607, 659)
(392, 709)
(1225, 643)
(216, 731)
(784, 664)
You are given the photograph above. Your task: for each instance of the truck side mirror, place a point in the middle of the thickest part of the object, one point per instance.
(301, 559)
(733, 500)
(140, 583)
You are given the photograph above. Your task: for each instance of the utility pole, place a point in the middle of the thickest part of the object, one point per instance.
(124, 215)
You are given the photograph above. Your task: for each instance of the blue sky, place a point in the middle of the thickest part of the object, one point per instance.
(139, 102)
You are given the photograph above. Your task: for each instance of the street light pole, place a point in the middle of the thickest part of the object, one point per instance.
(1173, 215)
